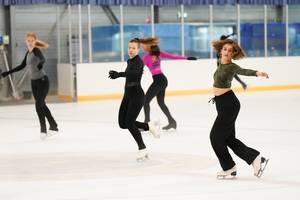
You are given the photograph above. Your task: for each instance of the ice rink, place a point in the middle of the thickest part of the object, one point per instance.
(93, 159)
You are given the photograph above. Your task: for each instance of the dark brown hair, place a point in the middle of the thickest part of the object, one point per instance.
(149, 41)
(238, 52)
(135, 40)
(155, 51)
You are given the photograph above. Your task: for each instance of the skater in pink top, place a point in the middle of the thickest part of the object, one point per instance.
(152, 60)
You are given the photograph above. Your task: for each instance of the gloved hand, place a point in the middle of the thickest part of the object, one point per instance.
(223, 37)
(4, 74)
(113, 74)
(191, 58)
(40, 66)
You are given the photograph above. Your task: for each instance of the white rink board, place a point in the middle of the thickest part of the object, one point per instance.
(92, 78)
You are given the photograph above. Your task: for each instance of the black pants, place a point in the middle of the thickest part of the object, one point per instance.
(40, 88)
(130, 108)
(222, 134)
(157, 89)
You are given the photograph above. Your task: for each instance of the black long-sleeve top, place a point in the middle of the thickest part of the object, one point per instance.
(133, 72)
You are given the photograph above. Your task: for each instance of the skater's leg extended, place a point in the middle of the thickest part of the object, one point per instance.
(150, 94)
(134, 106)
(39, 104)
(161, 102)
(218, 138)
(240, 149)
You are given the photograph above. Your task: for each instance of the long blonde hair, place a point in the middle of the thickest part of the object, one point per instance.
(238, 52)
(39, 43)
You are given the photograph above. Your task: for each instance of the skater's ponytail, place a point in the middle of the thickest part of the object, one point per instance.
(149, 41)
(39, 43)
(155, 51)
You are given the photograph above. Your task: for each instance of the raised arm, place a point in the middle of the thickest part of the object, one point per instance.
(37, 52)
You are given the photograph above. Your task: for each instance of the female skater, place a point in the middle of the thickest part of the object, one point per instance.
(133, 99)
(35, 60)
(222, 134)
(158, 87)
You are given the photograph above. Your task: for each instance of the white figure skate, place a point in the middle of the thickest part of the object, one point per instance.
(154, 128)
(228, 174)
(259, 165)
(43, 135)
(142, 155)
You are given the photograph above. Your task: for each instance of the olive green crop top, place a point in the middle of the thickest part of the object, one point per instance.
(225, 72)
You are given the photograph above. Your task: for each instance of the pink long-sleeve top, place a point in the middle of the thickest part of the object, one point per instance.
(155, 67)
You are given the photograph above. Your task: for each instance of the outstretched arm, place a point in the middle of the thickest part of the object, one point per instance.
(250, 72)
(18, 68)
(164, 54)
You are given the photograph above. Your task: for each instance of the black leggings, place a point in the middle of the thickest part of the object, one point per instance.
(130, 108)
(223, 132)
(158, 89)
(40, 88)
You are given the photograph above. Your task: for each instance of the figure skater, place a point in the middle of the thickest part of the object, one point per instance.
(133, 99)
(35, 60)
(157, 89)
(222, 134)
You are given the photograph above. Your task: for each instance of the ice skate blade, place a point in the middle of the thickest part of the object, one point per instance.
(52, 133)
(140, 160)
(171, 130)
(263, 166)
(43, 136)
(227, 177)
(143, 159)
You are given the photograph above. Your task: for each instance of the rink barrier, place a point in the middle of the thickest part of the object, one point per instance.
(65, 98)
(65, 79)
(196, 92)
(184, 77)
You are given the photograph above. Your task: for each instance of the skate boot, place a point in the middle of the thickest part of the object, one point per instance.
(43, 135)
(142, 155)
(154, 128)
(228, 174)
(53, 130)
(171, 125)
(259, 164)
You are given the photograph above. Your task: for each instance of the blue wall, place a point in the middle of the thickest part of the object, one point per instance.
(197, 39)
